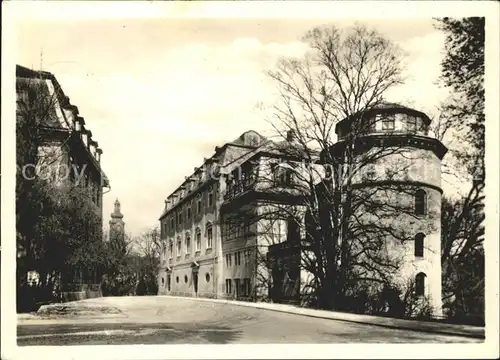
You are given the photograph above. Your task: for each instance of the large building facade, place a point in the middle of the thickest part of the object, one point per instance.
(57, 145)
(211, 225)
(234, 227)
(66, 149)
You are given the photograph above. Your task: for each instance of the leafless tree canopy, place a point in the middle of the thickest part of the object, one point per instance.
(344, 225)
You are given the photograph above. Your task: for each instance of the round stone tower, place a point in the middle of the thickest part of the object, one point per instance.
(397, 163)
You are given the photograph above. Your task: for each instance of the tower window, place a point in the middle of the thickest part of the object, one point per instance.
(420, 284)
(420, 202)
(411, 123)
(419, 245)
(388, 122)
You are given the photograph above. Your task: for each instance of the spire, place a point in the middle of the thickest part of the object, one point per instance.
(117, 214)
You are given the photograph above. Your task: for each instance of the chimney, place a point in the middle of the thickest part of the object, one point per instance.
(290, 135)
(84, 135)
(89, 140)
(99, 153)
(78, 125)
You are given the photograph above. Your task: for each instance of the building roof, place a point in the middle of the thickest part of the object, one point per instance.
(23, 72)
(383, 107)
(251, 143)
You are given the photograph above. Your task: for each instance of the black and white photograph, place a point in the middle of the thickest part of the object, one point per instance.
(282, 174)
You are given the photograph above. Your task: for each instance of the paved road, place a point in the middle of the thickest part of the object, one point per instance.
(164, 320)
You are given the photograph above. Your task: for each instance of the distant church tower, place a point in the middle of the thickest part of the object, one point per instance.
(116, 224)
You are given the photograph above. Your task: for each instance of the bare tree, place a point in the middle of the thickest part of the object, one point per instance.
(149, 246)
(348, 226)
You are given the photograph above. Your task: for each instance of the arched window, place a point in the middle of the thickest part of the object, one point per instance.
(419, 245)
(198, 239)
(420, 284)
(210, 235)
(188, 243)
(420, 202)
(170, 248)
(179, 246)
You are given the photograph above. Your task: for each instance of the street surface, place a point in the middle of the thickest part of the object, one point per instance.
(166, 320)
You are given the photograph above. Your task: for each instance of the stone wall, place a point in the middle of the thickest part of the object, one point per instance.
(80, 295)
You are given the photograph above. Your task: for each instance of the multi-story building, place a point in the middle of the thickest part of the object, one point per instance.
(56, 146)
(66, 149)
(213, 223)
(245, 206)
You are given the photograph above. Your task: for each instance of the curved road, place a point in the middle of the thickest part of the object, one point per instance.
(165, 320)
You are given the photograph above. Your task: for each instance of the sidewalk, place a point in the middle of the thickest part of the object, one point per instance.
(413, 325)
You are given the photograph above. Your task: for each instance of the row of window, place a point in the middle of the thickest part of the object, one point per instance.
(205, 172)
(187, 242)
(388, 121)
(237, 258)
(186, 214)
(238, 287)
(186, 279)
(233, 229)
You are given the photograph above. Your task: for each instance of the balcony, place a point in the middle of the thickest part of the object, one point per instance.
(239, 187)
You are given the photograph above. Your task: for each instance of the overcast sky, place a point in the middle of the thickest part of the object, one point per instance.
(159, 95)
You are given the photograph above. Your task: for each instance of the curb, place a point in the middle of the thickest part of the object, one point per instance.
(410, 327)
